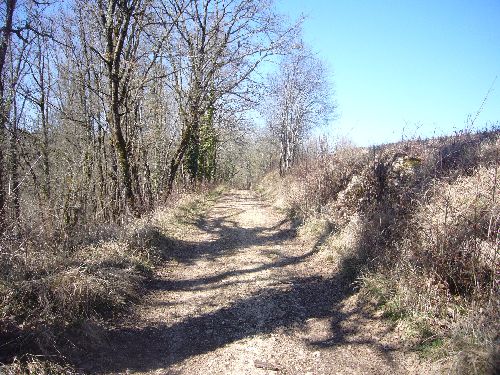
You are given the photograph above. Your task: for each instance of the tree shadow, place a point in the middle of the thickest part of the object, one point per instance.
(274, 308)
(253, 237)
(285, 304)
(229, 237)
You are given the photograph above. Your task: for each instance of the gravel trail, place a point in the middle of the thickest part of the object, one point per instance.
(250, 296)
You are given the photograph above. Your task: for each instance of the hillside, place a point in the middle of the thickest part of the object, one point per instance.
(416, 226)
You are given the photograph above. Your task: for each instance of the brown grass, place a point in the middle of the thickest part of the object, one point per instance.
(417, 224)
(32, 365)
(49, 286)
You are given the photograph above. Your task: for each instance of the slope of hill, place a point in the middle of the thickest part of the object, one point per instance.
(416, 225)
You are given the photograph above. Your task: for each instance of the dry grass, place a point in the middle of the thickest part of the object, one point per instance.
(32, 365)
(417, 223)
(310, 186)
(457, 232)
(48, 286)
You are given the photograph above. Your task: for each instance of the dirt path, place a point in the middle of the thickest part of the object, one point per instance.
(248, 297)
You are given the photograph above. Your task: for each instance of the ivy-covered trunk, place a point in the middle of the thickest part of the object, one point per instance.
(201, 159)
(190, 130)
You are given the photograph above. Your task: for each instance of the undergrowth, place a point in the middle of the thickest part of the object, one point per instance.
(416, 226)
(49, 287)
(33, 365)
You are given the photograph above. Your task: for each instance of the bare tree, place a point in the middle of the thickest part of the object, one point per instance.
(122, 35)
(299, 99)
(104, 110)
(214, 49)
(22, 25)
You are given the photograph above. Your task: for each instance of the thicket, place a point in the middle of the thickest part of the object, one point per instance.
(416, 228)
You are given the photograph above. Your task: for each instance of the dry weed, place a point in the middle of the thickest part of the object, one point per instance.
(421, 221)
(457, 232)
(33, 365)
(48, 286)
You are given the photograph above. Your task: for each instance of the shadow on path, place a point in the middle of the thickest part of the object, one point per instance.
(302, 299)
(286, 304)
(229, 235)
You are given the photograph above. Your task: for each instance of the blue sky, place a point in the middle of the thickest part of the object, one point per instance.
(405, 68)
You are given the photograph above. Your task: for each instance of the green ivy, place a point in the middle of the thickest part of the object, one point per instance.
(202, 153)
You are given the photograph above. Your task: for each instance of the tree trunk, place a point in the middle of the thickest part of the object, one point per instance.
(120, 146)
(44, 116)
(190, 138)
(14, 169)
(116, 32)
(4, 44)
(177, 159)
